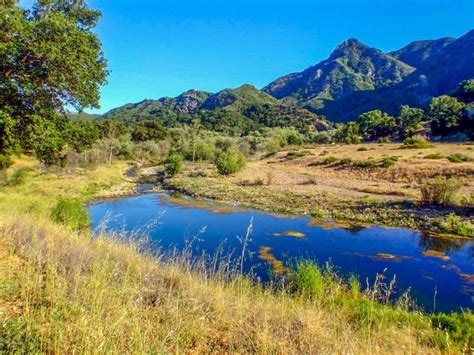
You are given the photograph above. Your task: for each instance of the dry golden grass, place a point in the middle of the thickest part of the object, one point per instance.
(68, 292)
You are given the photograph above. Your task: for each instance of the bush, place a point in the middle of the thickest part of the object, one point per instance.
(71, 213)
(329, 160)
(346, 161)
(362, 149)
(459, 326)
(174, 164)
(5, 161)
(440, 191)
(417, 142)
(434, 156)
(455, 225)
(459, 158)
(230, 163)
(389, 162)
(203, 151)
(308, 279)
(366, 164)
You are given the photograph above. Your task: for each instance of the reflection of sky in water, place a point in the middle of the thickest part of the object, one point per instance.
(425, 265)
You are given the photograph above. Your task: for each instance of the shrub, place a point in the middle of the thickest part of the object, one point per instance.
(308, 279)
(440, 191)
(366, 164)
(455, 225)
(417, 142)
(389, 162)
(71, 213)
(362, 149)
(459, 158)
(203, 151)
(459, 326)
(384, 140)
(18, 177)
(5, 161)
(230, 163)
(174, 164)
(329, 160)
(346, 161)
(434, 156)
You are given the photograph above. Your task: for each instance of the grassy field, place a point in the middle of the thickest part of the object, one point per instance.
(366, 183)
(64, 291)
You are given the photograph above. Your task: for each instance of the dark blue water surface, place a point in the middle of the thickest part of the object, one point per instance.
(365, 252)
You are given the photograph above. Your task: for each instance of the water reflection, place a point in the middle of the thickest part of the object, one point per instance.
(420, 262)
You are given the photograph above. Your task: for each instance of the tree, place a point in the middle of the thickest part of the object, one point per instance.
(465, 91)
(376, 124)
(149, 130)
(49, 59)
(350, 133)
(409, 120)
(445, 113)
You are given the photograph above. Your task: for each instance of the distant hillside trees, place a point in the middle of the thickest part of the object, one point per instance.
(50, 58)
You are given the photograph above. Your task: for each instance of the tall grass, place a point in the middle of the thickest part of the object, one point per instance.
(68, 292)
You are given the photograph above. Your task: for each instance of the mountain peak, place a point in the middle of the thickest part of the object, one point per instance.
(349, 46)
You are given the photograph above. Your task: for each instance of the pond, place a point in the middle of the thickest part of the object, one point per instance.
(438, 271)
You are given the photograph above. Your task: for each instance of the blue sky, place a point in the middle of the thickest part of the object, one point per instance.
(161, 48)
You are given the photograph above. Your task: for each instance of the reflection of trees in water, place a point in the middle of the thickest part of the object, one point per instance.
(444, 245)
(354, 229)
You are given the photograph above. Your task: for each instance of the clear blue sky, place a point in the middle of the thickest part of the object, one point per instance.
(161, 48)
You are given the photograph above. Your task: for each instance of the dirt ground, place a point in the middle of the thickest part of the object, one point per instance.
(309, 173)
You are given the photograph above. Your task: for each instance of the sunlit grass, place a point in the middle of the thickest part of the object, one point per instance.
(65, 291)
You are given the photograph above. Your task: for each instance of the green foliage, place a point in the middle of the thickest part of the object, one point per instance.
(440, 190)
(203, 151)
(389, 162)
(83, 134)
(5, 162)
(375, 124)
(350, 133)
(445, 113)
(71, 213)
(17, 177)
(51, 58)
(465, 91)
(459, 326)
(355, 287)
(459, 158)
(308, 279)
(417, 142)
(174, 164)
(365, 164)
(228, 163)
(329, 160)
(409, 120)
(149, 130)
(455, 225)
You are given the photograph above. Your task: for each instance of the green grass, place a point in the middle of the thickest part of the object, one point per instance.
(459, 158)
(71, 213)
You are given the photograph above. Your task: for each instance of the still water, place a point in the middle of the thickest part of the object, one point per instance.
(436, 270)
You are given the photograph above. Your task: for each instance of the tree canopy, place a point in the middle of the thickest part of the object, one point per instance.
(50, 60)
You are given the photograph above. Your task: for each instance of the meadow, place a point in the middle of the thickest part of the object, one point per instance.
(63, 289)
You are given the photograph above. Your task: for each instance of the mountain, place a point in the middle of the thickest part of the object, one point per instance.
(236, 111)
(418, 52)
(356, 78)
(353, 66)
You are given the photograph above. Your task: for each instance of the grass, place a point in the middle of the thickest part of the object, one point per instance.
(416, 143)
(459, 158)
(64, 291)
